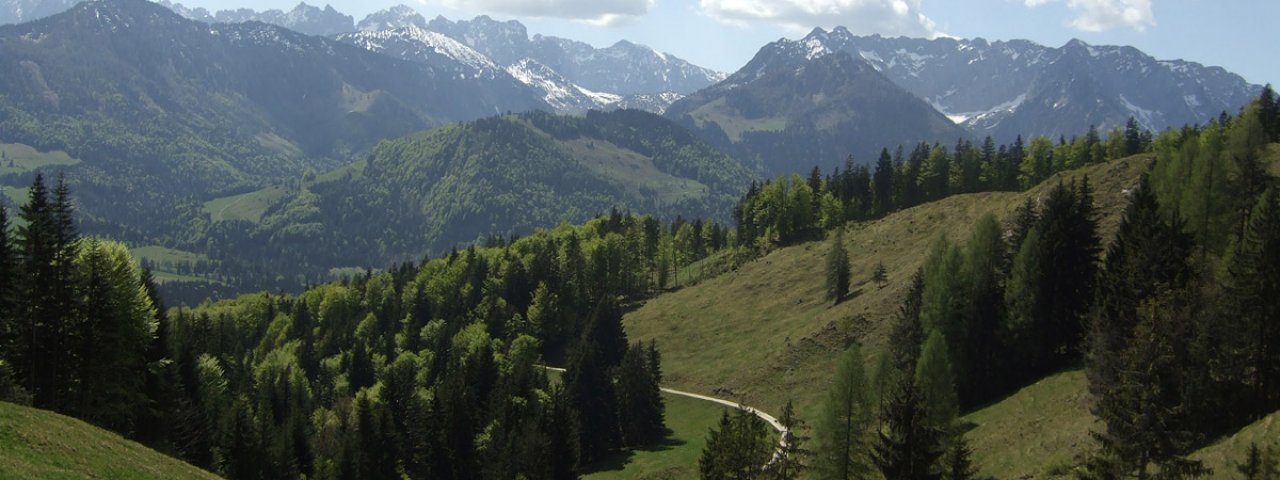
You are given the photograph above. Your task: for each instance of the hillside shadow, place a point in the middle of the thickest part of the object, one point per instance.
(618, 461)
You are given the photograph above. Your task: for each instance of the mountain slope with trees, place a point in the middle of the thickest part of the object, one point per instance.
(165, 112)
(481, 180)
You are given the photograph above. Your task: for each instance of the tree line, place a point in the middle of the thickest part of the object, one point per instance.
(1174, 322)
(428, 370)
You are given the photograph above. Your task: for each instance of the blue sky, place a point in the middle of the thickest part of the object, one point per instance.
(724, 34)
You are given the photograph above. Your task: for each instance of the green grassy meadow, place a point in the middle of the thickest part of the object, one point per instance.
(36, 444)
(19, 158)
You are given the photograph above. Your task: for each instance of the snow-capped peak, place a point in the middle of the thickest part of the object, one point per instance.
(399, 16)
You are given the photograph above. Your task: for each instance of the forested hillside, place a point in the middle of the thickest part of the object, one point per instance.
(429, 370)
(472, 182)
(165, 113)
(1148, 277)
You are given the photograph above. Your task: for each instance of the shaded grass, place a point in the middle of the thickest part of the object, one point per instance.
(733, 123)
(1035, 432)
(764, 334)
(246, 206)
(19, 158)
(1227, 453)
(36, 444)
(633, 172)
(690, 421)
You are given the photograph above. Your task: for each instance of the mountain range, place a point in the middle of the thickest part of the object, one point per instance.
(1005, 89)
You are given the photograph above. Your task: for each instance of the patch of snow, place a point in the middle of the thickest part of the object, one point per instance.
(1144, 116)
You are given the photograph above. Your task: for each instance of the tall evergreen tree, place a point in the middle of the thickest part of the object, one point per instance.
(590, 391)
(837, 279)
(1254, 285)
(789, 462)
(1147, 422)
(10, 287)
(907, 447)
(1148, 254)
(842, 433)
(737, 449)
(936, 383)
(883, 184)
(640, 411)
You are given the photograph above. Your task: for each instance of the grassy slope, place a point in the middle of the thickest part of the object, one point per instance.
(1034, 431)
(36, 444)
(689, 421)
(1226, 454)
(246, 206)
(763, 333)
(25, 158)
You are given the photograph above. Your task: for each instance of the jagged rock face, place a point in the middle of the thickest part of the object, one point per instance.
(1017, 87)
(623, 69)
(303, 19)
(572, 77)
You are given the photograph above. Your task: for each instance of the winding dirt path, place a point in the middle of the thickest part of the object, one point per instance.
(783, 433)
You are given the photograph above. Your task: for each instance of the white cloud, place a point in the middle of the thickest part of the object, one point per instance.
(595, 12)
(886, 17)
(1100, 15)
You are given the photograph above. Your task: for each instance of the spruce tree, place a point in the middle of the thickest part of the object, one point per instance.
(842, 432)
(1148, 254)
(1148, 427)
(882, 189)
(789, 462)
(1253, 287)
(591, 396)
(837, 279)
(907, 447)
(10, 286)
(737, 449)
(639, 409)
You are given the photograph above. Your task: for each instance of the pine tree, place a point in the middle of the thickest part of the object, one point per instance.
(883, 184)
(639, 409)
(1148, 254)
(837, 280)
(737, 449)
(591, 396)
(842, 433)
(907, 447)
(1148, 427)
(1259, 464)
(958, 462)
(789, 462)
(10, 286)
(1253, 287)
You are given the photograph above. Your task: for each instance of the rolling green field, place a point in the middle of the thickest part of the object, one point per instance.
(161, 256)
(633, 172)
(765, 334)
(1226, 454)
(733, 124)
(36, 444)
(246, 206)
(19, 158)
(689, 420)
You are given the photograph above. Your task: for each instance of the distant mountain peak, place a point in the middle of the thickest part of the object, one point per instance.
(399, 16)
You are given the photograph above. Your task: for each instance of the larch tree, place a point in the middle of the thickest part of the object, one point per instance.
(842, 433)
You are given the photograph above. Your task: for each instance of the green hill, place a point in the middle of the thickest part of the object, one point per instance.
(430, 191)
(765, 334)
(36, 444)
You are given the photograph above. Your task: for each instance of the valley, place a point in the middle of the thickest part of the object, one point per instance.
(296, 243)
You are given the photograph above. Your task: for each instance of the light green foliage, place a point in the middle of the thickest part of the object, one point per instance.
(842, 436)
(937, 383)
